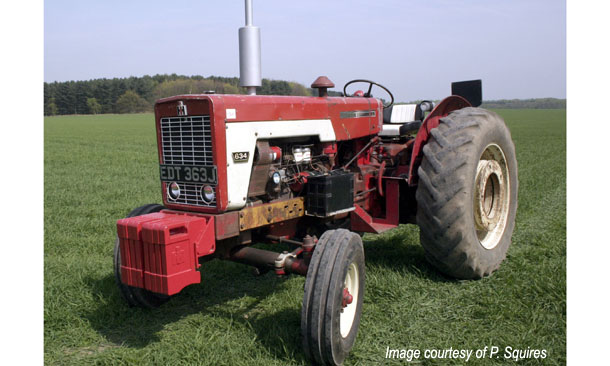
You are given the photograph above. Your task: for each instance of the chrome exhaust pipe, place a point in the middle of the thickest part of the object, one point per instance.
(249, 53)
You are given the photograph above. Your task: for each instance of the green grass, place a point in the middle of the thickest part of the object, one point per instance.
(97, 168)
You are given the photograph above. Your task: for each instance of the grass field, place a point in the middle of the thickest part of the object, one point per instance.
(97, 168)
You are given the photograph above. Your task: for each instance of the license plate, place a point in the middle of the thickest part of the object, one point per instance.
(188, 174)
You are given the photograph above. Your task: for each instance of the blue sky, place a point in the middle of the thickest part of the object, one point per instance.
(415, 48)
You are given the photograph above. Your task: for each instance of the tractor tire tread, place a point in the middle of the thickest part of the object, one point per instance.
(442, 193)
(317, 310)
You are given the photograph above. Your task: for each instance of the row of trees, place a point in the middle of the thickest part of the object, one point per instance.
(138, 94)
(537, 103)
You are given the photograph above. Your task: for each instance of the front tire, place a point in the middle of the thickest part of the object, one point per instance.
(332, 303)
(136, 296)
(467, 193)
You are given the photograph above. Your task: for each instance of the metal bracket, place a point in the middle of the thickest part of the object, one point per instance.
(261, 215)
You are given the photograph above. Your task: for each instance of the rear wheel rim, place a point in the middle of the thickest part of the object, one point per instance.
(491, 196)
(348, 313)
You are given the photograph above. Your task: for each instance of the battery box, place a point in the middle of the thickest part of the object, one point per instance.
(330, 194)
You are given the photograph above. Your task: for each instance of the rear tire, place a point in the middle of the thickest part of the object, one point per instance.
(136, 296)
(328, 327)
(467, 193)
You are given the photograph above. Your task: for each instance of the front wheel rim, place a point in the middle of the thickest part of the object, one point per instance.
(491, 196)
(348, 313)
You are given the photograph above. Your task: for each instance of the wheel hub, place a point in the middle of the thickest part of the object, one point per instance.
(350, 292)
(491, 196)
(489, 189)
(347, 298)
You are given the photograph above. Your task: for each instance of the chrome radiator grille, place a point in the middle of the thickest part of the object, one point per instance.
(188, 141)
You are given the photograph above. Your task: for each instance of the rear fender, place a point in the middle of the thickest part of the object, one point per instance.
(445, 107)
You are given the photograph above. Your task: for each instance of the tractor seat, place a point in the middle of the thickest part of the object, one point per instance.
(401, 113)
(395, 129)
(401, 120)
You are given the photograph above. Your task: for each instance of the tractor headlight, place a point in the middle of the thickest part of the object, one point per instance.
(208, 194)
(276, 178)
(173, 191)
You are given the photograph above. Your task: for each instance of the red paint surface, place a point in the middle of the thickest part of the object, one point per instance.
(445, 107)
(362, 221)
(265, 108)
(347, 298)
(160, 251)
(277, 153)
(198, 105)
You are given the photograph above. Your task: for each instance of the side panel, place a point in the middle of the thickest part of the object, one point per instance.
(346, 114)
(352, 118)
(242, 137)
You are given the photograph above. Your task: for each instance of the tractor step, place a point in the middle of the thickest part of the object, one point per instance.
(363, 222)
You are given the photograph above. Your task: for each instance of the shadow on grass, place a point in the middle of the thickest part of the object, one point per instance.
(222, 282)
(399, 250)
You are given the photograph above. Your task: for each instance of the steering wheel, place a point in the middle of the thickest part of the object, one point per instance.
(368, 93)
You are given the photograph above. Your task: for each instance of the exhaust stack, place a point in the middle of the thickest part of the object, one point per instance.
(249, 53)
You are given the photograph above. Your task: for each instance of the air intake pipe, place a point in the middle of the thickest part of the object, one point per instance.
(249, 53)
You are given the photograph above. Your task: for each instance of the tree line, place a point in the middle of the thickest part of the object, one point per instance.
(536, 103)
(138, 94)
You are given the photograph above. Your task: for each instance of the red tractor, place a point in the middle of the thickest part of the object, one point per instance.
(315, 173)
